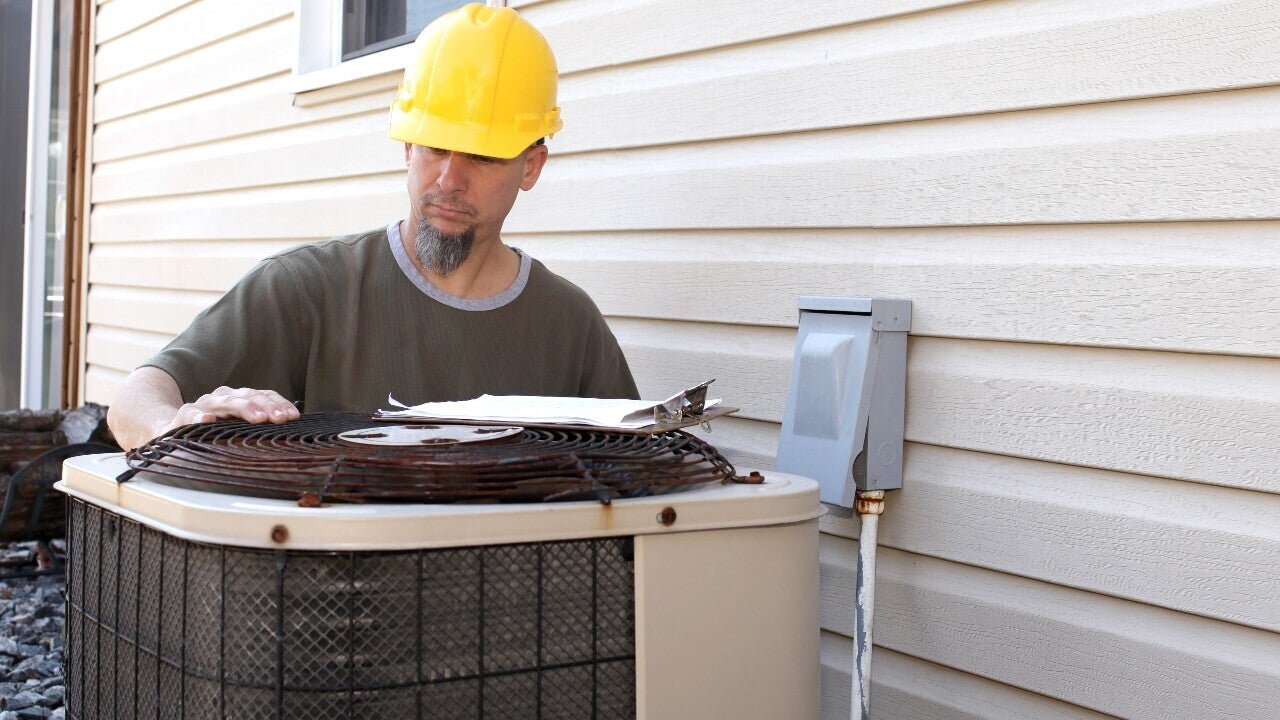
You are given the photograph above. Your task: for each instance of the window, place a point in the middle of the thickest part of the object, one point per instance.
(372, 25)
(38, 38)
(340, 41)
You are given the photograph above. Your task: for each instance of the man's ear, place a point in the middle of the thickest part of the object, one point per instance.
(534, 160)
(408, 151)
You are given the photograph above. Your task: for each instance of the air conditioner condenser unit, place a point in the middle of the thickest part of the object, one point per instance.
(698, 604)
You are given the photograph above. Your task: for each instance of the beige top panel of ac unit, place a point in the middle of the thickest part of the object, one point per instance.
(257, 522)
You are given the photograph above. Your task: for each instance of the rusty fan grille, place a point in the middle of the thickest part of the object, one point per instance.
(306, 460)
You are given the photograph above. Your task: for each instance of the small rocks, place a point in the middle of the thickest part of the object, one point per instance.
(24, 699)
(38, 668)
(31, 652)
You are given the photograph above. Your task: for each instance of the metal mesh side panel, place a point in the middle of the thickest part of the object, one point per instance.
(170, 665)
(149, 624)
(567, 693)
(108, 610)
(127, 614)
(73, 642)
(510, 620)
(567, 604)
(89, 592)
(202, 625)
(160, 627)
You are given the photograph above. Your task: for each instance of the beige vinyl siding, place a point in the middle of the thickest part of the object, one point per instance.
(1080, 197)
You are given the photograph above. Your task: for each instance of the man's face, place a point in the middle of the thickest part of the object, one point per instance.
(458, 198)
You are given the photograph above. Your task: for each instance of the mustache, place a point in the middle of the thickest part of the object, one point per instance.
(443, 199)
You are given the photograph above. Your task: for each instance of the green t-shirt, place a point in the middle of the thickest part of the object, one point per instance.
(343, 323)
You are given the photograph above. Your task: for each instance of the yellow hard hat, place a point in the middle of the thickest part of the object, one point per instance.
(482, 81)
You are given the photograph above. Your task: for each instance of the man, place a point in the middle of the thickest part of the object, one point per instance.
(433, 307)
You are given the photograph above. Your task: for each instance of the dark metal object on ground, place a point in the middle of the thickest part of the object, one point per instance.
(33, 445)
(307, 458)
(31, 509)
(155, 622)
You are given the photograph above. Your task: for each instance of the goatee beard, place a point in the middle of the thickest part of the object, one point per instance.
(442, 253)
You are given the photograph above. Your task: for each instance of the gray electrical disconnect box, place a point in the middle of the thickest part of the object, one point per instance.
(845, 406)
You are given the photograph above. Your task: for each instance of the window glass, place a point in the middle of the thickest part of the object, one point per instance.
(372, 25)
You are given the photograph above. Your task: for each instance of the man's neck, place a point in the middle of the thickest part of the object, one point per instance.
(489, 269)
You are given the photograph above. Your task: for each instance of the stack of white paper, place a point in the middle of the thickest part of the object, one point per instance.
(536, 410)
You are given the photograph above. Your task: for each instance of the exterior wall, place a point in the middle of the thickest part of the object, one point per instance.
(1080, 197)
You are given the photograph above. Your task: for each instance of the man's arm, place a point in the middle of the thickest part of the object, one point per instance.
(149, 404)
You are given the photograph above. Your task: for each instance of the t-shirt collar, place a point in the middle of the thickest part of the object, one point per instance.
(492, 302)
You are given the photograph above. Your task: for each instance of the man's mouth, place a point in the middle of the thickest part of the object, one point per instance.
(449, 212)
(437, 203)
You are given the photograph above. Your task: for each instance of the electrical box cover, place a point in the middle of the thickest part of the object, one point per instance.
(845, 405)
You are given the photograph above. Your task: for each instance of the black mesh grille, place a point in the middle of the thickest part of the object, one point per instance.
(161, 627)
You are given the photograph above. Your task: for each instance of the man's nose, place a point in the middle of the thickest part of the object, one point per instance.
(453, 172)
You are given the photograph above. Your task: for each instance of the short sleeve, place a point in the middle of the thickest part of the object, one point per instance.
(606, 373)
(256, 335)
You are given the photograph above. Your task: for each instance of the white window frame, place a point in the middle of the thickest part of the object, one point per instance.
(32, 389)
(318, 60)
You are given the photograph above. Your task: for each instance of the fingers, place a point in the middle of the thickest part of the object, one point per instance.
(248, 404)
(255, 406)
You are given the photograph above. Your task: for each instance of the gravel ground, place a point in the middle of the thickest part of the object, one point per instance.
(31, 619)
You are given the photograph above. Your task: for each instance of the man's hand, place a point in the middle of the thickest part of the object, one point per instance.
(149, 404)
(248, 404)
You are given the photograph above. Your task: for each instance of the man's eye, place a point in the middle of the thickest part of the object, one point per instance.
(483, 159)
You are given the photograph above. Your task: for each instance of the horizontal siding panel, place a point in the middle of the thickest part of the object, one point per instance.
(255, 107)
(732, 184)
(755, 183)
(118, 17)
(1106, 654)
(378, 89)
(256, 54)
(747, 363)
(334, 149)
(1188, 417)
(308, 211)
(794, 87)
(122, 349)
(584, 35)
(167, 312)
(190, 27)
(1205, 550)
(982, 58)
(1080, 285)
(102, 384)
(907, 688)
(1201, 157)
(179, 266)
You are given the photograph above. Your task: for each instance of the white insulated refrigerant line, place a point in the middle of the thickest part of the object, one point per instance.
(869, 505)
